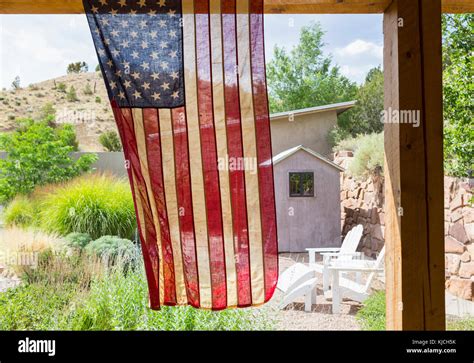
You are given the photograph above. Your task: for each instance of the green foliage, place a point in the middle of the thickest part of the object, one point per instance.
(372, 314)
(111, 246)
(458, 88)
(304, 77)
(21, 212)
(98, 205)
(78, 240)
(368, 154)
(466, 323)
(97, 68)
(46, 111)
(88, 90)
(77, 67)
(367, 112)
(67, 133)
(34, 307)
(38, 154)
(60, 295)
(71, 95)
(61, 87)
(110, 141)
(98, 99)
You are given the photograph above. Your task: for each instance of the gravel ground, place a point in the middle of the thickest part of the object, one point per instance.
(293, 317)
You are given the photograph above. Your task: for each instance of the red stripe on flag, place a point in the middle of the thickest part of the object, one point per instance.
(155, 169)
(185, 205)
(148, 242)
(264, 148)
(235, 151)
(209, 157)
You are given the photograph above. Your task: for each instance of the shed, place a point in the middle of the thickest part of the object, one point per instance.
(307, 193)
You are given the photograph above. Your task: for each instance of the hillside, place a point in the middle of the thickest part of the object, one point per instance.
(91, 114)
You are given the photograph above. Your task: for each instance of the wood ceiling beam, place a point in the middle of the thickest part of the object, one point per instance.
(271, 6)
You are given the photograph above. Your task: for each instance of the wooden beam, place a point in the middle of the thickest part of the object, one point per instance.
(271, 6)
(414, 233)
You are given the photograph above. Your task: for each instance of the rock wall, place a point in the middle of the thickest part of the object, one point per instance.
(362, 203)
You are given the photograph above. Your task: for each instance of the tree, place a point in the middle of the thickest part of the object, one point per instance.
(458, 88)
(367, 112)
(47, 110)
(71, 95)
(304, 77)
(77, 67)
(88, 90)
(110, 141)
(16, 83)
(38, 154)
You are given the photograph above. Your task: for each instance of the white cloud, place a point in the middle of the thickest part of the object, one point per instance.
(357, 58)
(360, 47)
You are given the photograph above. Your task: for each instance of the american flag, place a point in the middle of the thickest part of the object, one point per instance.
(187, 84)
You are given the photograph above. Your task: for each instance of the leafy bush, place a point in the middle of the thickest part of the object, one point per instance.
(78, 240)
(111, 246)
(61, 87)
(97, 204)
(21, 212)
(368, 154)
(110, 141)
(38, 154)
(58, 297)
(77, 67)
(71, 95)
(128, 310)
(88, 90)
(458, 110)
(98, 99)
(34, 307)
(46, 111)
(372, 315)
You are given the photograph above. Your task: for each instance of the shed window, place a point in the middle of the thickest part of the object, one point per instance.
(302, 184)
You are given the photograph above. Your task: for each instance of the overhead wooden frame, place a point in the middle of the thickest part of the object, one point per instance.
(271, 6)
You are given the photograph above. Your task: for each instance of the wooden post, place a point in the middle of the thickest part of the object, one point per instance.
(414, 200)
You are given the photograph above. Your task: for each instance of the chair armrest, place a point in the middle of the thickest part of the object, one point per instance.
(331, 254)
(355, 269)
(323, 249)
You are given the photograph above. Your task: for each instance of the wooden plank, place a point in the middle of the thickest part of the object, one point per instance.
(271, 6)
(414, 234)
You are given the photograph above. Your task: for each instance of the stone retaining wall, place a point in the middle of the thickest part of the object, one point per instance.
(362, 203)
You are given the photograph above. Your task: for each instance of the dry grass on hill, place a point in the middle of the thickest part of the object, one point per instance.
(91, 113)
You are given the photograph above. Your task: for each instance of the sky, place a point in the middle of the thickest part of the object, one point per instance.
(39, 47)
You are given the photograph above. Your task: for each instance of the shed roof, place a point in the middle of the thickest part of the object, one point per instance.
(287, 153)
(338, 107)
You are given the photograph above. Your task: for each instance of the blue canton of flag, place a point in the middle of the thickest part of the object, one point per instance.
(140, 48)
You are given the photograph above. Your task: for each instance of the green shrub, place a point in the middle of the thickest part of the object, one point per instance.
(128, 309)
(110, 141)
(97, 204)
(21, 212)
(111, 246)
(34, 307)
(38, 154)
(78, 240)
(372, 315)
(61, 87)
(98, 99)
(88, 90)
(368, 154)
(46, 111)
(62, 295)
(71, 95)
(465, 323)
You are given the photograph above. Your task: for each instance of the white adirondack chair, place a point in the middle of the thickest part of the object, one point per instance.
(345, 288)
(296, 281)
(346, 252)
